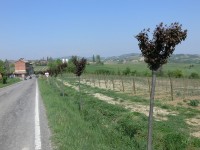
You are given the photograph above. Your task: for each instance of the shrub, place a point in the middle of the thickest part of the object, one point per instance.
(194, 103)
(4, 79)
(71, 67)
(127, 71)
(176, 73)
(104, 71)
(147, 74)
(194, 75)
(133, 73)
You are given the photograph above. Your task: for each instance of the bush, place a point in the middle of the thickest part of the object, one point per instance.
(194, 75)
(194, 103)
(104, 72)
(133, 73)
(127, 71)
(71, 67)
(4, 79)
(147, 74)
(176, 73)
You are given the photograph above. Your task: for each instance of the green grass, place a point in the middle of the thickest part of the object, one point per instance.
(184, 67)
(9, 82)
(102, 126)
(141, 68)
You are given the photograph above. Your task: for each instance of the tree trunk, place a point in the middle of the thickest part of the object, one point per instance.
(99, 81)
(80, 99)
(171, 87)
(122, 84)
(134, 90)
(150, 123)
(62, 83)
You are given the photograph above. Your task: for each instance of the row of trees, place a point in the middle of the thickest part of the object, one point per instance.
(5, 70)
(97, 59)
(75, 65)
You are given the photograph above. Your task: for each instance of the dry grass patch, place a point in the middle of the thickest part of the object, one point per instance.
(159, 113)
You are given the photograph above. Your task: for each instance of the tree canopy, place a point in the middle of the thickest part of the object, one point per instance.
(80, 65)
(157, 50)
(56, 67)
(2, 67)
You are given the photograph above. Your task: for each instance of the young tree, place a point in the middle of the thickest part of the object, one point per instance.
(3, 72)
(156, 53)
(80, 67)
(98, 59)
(2, 67)
(56, 67)
(52, 65)
(7, 66)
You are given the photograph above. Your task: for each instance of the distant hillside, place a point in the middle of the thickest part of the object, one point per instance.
(134, 57)
(185, 58)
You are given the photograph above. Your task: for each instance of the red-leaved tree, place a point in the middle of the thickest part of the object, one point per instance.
(79, 68)
(156, 53)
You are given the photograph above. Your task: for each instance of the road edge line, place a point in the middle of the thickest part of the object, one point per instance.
(37, 121)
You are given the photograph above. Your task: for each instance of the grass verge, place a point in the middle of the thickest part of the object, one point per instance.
(9, 82)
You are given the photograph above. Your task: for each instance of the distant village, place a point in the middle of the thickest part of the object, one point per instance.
(23, 68)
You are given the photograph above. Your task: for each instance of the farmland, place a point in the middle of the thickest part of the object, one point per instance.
(141, 68)
(167, 89)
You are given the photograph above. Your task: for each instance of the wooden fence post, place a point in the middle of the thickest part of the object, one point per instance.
(105, 81)
(99, 81)
(134, 90)
(122, 84)
(94, 80)
(113, 82)
(171, 86)
(185, 89)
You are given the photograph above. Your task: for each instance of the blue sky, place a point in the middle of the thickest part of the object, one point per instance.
(35, 29)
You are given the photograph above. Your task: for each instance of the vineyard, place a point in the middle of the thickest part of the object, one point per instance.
(167, 89)
(40, 68)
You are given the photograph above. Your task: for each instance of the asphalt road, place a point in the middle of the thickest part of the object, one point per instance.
(20, 128)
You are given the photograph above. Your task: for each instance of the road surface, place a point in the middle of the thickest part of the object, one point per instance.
(23, 122)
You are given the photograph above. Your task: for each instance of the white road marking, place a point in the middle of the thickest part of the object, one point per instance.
(37, 122)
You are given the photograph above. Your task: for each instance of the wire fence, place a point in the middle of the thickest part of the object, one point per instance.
(166, 88)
